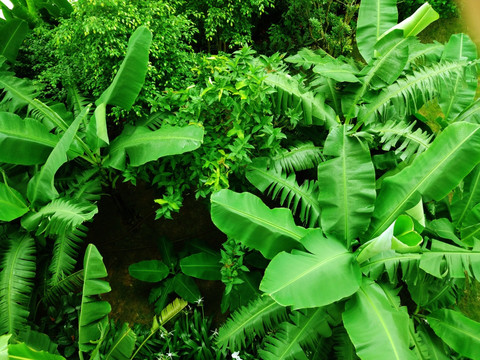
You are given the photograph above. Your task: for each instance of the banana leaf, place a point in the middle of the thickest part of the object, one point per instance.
(202, 266)
(149, 270)
(123, 344)
(12, 203)
(23, 352)
(13, 33)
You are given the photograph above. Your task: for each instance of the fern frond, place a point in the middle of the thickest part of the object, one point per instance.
(304, 329)
(83, 187)
(431, 293)
(416, 340)
(77, 101)
(390, 262)
(59, 216)
(16, 283)
(297, 158)
(408, 94)
(67, 284)
(401, 136)
(286, 188)
(249, 321)
(65, 253)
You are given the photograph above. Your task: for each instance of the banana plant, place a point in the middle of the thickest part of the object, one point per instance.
(392, 212)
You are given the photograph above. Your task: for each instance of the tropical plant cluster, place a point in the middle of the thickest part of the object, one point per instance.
(373, 249)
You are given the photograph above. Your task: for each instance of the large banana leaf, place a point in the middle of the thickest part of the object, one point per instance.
(458, 93)
(295, 279)
(249, 321)
(346, 186)
(374, 18)
(93, 312)
(149, 270)
(129, 79)
(13, 32)
(12, 203)
(23, 352)
(16, 283)
(458, 331)
(378, 330)
(24, 141)
(40, 187)
(433, 174)
(305, 329)
(246, 218)
(202, 266)
(143, 145)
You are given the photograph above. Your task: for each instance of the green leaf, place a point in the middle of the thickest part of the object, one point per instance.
(374, 18)
(123, 344)
(23, 352)
(13, 34)
(470, 230)
(24, 141)
(432, 343)
(202, 266)
(347, 186)
(294, 279)
(16, 283)
(128, 81)
(418, 21)
(459, 332)
(186, 288)
(12, 203)
(4, 346)
(337, 70)
(378, 330)
(93, 316)
(471, 197)
(40, 187)
(433, 174)
(143, 145)
(250, 321)
(246, 218)
(149, 270)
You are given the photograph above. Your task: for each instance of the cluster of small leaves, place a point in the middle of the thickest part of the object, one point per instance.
(445, 8)
(232, 260)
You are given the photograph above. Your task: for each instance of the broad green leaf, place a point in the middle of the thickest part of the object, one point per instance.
(24, 141)
(149, 270)
(143, 145)
(249, 321)
(186, 288)
(346, 186)
(16, 283)
(470, 114)
(246, 218)
(13, 34)
(202, 266)
(470, 230)
(471, 197)
(433, 174)
(123, 344)
(23, 352)
(128, 81)
(40, 187)
(444, 229)
(378, 330)
(432, 343)
(337, 70)
(418, 21)
(452, 261)
(294, 279)
(374, 18)
(459, 91)
(459, 332)
(4, 346)
(93, 316)
(12, 203)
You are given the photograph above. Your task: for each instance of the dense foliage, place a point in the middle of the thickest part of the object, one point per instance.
(377, 237)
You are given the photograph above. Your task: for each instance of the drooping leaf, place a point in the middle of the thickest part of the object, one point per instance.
(16, 283)
(297, 158)
(378, 330)
(294, 279)
(374, 18)
(245, 218)
(143, 145)
(68, 284)
(149, 270)
(346, 186)
(251, 320)
(391, 262)
(433, 174)
(93, 316)
(418, 21)
(458, 331)
(128, 81)
(24, 141)
(12, 203)
(202, 266)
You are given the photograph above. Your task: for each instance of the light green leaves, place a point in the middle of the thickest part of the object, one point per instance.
(12, 203)
(415, 23)
(295, 279)
(93, 313)
(143, 145)
(458, 331)
(149, 270)
(246, 218)
(346, 186)
(376, 328)
(432, 174)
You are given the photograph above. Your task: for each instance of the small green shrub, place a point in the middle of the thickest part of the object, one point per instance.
(445, 8)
